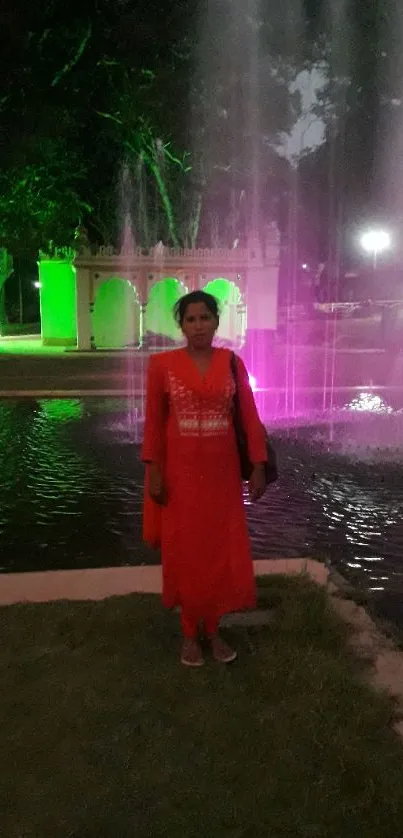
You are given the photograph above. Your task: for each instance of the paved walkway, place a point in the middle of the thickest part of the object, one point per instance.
(100, 584)
(52, 372)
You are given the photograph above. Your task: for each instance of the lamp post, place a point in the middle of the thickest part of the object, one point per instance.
(375, 242)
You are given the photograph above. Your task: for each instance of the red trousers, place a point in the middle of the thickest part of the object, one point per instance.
(190, 627)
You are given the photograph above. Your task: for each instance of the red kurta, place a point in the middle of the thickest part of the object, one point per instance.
(202, 531)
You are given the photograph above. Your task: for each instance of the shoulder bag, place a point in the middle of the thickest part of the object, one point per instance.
(271, 470)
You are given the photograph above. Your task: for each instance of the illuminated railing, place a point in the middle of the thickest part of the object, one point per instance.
(300, 310)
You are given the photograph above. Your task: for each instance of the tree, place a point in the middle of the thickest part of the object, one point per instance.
(40, 205)
(154, 86)
(141, 141)
(201, 168)
(6, 269)
(242, 105)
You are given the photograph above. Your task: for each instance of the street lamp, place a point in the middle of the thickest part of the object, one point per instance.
(375, 242)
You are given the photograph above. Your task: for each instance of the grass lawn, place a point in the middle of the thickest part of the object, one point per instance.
(105, 735)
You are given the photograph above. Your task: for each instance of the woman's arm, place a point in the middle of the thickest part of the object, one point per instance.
(254, 429)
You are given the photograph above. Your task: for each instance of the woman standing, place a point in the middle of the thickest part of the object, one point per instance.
(194, 506)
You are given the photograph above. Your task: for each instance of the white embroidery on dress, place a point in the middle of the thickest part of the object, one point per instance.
(197, 416)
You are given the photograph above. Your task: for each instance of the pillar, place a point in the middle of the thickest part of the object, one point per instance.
(143, 312)
(57, 279)
(83, 309)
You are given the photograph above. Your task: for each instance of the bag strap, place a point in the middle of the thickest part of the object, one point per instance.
(234, 369)
(236, 402)
(234, 372)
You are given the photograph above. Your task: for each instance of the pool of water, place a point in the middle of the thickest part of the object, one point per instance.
(71, 490)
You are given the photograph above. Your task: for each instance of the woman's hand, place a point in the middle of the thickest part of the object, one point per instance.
(156, 487)
(257, 482)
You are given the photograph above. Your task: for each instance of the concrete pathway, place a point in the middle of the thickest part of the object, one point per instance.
(100, 584)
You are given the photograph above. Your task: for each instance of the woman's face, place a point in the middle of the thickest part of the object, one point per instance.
(199, 326)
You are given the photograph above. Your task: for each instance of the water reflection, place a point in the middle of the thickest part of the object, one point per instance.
(61, 506)
(71, 486)
(62, 410)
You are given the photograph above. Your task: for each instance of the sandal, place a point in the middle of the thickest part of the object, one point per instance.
(191, 654)
(222, 652)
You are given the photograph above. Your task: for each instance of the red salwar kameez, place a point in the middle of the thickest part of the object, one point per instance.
(202, 532)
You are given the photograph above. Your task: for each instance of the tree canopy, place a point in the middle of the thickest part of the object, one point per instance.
(191, 99)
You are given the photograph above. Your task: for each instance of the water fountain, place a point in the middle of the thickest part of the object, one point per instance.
(335, 412)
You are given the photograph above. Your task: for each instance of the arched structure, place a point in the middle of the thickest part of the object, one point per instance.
(116, 315)
(162, 296)
(246, 278)
(232, 327)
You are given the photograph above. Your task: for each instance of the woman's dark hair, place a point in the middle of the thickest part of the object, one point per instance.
(183, 304)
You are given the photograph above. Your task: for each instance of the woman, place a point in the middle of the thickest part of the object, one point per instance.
(194, 505)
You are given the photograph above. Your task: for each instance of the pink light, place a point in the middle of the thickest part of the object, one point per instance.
(252, 381)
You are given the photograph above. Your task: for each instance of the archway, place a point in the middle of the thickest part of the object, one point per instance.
(159, 320)
(116, 315)
(232, 327)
